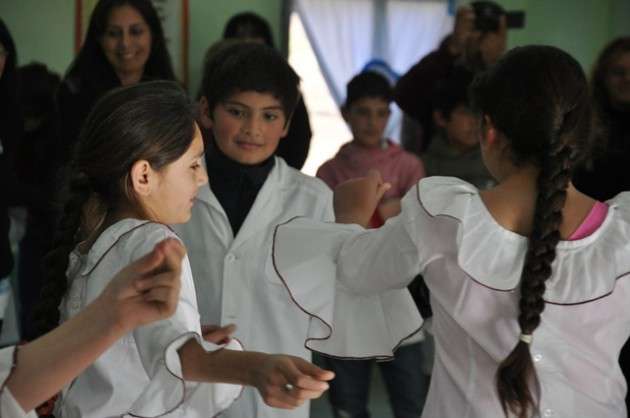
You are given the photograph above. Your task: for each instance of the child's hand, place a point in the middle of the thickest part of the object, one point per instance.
(216, 334)
(286, 381)
(389, 209)
(355, 200)
(146, 290)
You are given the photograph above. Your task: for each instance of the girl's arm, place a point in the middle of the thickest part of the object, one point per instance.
(355, 200)
(269, 373)
(145, 291)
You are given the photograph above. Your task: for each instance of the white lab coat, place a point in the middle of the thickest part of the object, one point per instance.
(229, 272)
(236, 281)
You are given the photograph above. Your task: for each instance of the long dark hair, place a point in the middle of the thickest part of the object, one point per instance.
(92, 66)
(537, 96)
(151, 121)
(599, 74)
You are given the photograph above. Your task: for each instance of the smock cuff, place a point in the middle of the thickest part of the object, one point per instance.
(168, 390)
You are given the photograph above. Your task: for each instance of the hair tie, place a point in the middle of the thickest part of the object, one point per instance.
(526, 338)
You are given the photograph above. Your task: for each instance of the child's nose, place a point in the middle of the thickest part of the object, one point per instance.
(252, 126)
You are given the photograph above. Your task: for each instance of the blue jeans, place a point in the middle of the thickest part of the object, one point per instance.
(404, 379)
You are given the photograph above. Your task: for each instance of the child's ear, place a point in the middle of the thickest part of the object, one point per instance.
(142, 177)
(204, 110)
(489, 134)
(439, 119)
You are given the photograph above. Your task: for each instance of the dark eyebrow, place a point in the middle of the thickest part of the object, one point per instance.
(237, 103)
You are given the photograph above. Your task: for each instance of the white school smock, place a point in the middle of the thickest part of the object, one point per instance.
(472, 266)
(236, 282)
(140, 375)
(8, 405)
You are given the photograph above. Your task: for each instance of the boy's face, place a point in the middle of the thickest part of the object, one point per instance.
(367, 118)
(462, 129)
(247, 126)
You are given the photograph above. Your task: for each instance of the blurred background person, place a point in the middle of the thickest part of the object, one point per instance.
(11, 131)
(124, 44)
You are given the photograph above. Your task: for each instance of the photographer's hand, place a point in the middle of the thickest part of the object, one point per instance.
(464, 33)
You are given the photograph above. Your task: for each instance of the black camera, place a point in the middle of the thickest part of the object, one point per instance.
(487, 15)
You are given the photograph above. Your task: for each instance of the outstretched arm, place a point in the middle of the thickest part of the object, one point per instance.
(146, 290)
(268, 373)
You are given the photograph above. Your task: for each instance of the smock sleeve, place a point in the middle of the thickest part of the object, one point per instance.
(345, 321)
(158, 344)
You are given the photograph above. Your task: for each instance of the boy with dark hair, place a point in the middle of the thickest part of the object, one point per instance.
(367, 111)
(249, 93)
(454, 150)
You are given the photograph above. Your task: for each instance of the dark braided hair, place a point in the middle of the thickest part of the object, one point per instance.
(537, 96)
(152, 121)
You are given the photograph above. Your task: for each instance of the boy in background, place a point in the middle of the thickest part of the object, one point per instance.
(249, 95)
(367, 111)
(454, 150)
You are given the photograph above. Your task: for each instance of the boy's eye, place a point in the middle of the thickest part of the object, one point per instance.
(235, 112)
(270, 116)
(363, 112)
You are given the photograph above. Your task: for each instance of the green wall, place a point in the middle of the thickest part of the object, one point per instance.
(580, 27)
(44, 29)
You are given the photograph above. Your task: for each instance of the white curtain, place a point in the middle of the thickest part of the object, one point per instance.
(347, 35)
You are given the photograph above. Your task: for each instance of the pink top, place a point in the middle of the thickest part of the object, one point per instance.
(398, 167)
(592, 221)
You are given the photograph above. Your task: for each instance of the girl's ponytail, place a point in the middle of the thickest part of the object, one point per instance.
(69, 232)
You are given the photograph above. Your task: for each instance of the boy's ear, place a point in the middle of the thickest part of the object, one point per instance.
(439, 119)
(204, 110)
(142, 177)
(489, 134)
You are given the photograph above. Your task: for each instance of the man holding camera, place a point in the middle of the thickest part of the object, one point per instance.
(478, 40)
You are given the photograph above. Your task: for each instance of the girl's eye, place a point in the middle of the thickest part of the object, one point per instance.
(195, 166)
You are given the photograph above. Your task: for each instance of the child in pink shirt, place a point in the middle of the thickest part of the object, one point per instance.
(367, 111)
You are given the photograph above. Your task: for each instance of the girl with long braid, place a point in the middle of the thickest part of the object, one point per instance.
(529, 280)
